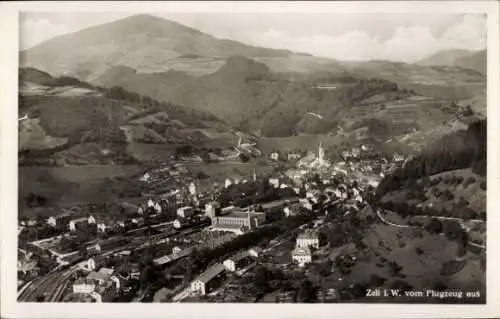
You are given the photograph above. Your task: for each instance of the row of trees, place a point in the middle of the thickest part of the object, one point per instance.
(457, 210)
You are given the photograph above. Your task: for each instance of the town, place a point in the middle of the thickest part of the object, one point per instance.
(229, 243)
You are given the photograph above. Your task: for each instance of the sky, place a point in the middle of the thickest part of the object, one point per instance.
(347, 36)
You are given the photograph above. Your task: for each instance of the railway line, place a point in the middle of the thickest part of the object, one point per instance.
(52, 285)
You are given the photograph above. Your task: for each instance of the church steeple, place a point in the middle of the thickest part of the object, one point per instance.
(321, 154)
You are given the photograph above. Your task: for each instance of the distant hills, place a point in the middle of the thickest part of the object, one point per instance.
(142, 42)
(74, 122)
(263, 92)
(474, 60)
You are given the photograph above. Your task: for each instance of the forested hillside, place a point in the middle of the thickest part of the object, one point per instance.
(458, 150)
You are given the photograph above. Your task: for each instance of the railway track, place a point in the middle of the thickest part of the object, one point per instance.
(53, 285)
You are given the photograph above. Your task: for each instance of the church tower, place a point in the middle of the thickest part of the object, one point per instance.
(321, 154)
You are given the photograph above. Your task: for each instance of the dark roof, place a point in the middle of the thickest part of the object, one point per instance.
(211, 273)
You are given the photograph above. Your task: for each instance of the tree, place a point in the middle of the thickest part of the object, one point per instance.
(306, 291)
(376, 281)
(453, 230)
(434, 226)
(261, 279)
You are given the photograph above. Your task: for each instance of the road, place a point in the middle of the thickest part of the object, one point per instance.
(391, 223)
(461, 220)
(407, 226)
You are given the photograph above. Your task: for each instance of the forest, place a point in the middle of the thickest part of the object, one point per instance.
(458, 150)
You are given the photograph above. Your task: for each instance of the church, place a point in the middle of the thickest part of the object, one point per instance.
(314, 161)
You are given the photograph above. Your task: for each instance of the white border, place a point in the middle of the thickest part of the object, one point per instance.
(8, 170)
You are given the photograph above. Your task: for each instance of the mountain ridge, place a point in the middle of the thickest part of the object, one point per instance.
(468, 59)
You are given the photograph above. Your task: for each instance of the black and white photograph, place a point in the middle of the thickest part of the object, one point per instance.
(252, 157)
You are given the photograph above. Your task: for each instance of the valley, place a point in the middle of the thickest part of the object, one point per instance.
(164, 154)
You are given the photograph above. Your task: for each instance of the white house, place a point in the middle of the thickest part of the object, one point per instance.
(398, 157)
(302, 255)
(185, 212)
(52, 221)
(203, 283)
(192, 189)
(91, 220)
(116, 281)
(275, 182)
(101, 227)
(145, 177)
(83, 286)
(151, 203)
(255, 251)
(227, 183)
(275, 156)
(140, 210)
(121, 223)
(91, 265)
(231, 263)
(72, 224)
(309, 238)
(158, 208)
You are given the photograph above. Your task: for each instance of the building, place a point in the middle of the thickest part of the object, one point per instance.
(192, 189)
(138, 222)
(302, 255)
(227, 183)
(174, 256)
(293, 156)
(255, 252)
(236, 261)
(235, 229)
(275, 156)
(304, 202)
(100, 277)
(145, 177)
(73, 224)
(211, 209)
(321, 155)
(398, 157)
(59, 221)
(140, 210)
(309, 238)
(83, 286)
(176, 250)
(101, 227)
(52, 221)
(292, 209)
(326, 295)
(275, 182)
(248, 219)
(207, 280)
(158, 208)
(90, 265)
(185, 212)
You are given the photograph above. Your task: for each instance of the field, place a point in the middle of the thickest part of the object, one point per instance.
(67, 186)
(33, 136)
